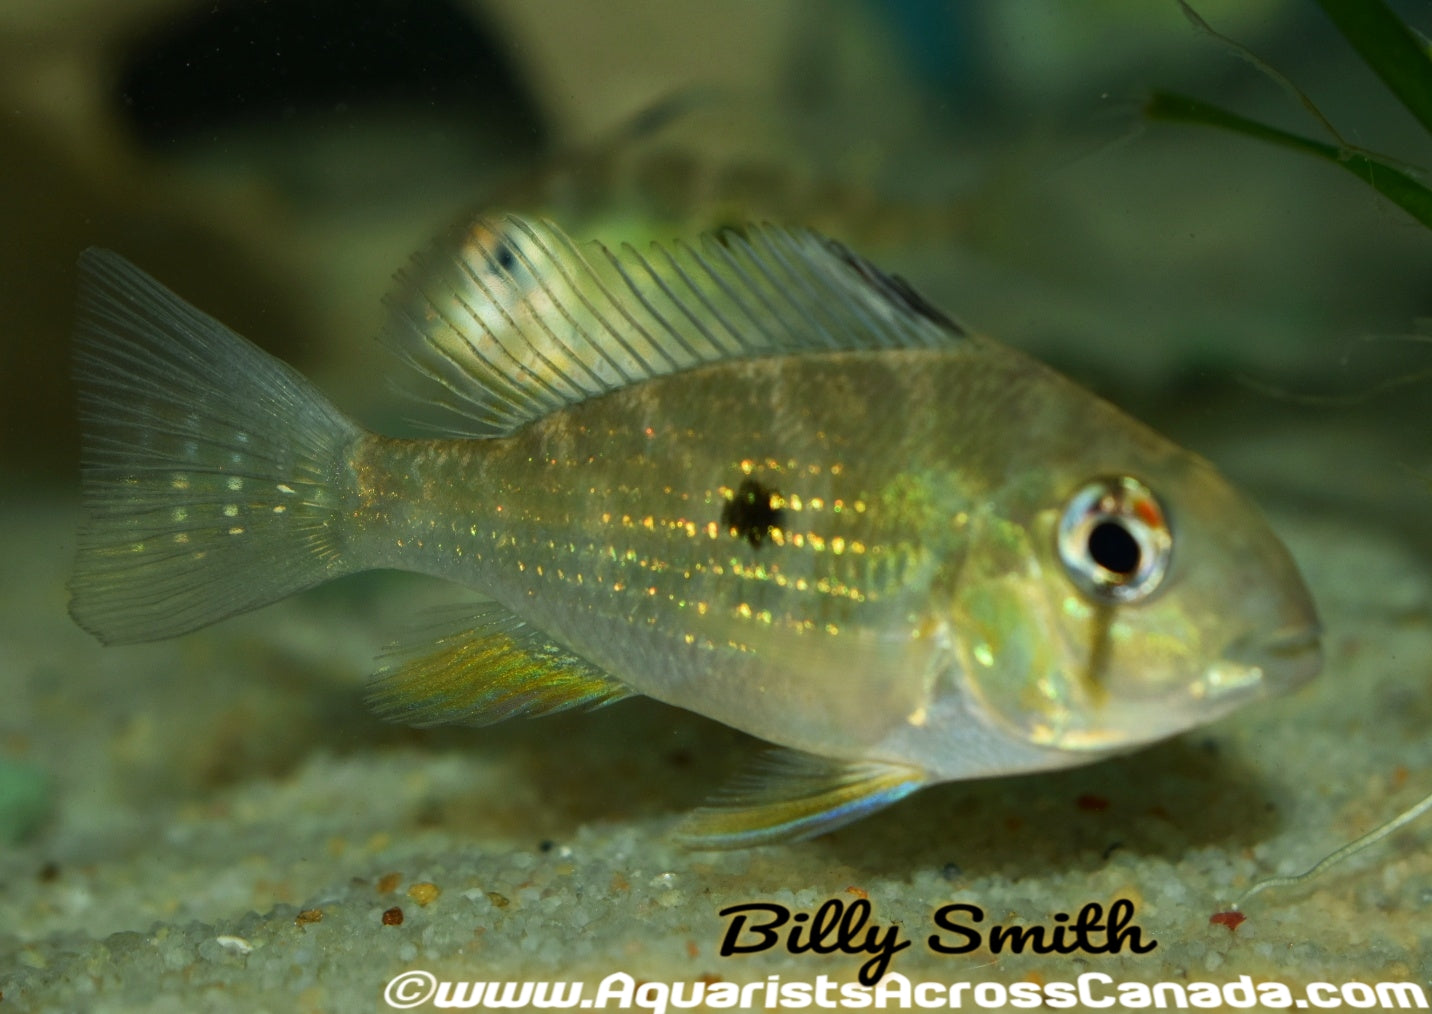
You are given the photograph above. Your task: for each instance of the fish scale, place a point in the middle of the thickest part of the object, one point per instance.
(755, 478)
(654, 578)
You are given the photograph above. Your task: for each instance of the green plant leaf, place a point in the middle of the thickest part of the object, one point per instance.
(1377, 172)
(1390, 48)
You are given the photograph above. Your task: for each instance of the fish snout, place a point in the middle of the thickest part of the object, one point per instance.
(1282, 661)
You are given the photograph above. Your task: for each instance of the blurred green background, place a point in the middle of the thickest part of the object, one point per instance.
(275, 163)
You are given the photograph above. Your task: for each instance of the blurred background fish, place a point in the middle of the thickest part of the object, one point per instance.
(307, 148)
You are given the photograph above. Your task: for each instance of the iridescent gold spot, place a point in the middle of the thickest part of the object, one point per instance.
(237, 530)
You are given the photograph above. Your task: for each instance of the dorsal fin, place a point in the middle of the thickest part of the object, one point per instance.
(508, 319)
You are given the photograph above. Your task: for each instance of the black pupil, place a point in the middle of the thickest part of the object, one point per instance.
(1113, 548)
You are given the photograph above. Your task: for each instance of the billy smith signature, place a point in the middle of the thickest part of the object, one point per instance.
(838, 927)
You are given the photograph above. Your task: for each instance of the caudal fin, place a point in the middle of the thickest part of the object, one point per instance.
(212, 471)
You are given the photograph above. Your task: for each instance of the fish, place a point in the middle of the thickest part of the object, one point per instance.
(656, 172)
(752, 476)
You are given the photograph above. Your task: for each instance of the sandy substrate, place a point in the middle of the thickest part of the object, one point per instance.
(227, 826)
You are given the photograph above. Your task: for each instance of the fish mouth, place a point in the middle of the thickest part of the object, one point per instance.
(1279, 662)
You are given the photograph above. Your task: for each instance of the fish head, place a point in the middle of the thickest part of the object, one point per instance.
(1102, 606)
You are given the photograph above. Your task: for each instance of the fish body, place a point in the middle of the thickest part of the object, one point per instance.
(759, 480)
(657, 173)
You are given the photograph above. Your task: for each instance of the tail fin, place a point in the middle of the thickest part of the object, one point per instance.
(212, 471)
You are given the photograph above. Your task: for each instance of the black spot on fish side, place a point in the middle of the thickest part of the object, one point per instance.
(753, 513)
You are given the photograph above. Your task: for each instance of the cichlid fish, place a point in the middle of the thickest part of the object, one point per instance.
(656, 174)
(758, 479)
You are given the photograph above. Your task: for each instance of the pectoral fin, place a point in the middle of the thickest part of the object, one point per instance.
(789, 796)
(481, 664)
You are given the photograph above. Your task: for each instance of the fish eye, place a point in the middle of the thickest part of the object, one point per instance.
(495, 251)
(1114, 540)
(503, 256)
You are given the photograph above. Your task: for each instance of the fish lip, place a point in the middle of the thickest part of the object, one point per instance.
(1288, 657)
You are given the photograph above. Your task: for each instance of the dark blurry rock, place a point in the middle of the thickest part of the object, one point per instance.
(251, 63)
(271, 162)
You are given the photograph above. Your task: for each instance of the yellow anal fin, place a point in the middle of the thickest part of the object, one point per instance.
(485, 665)
(789, 796)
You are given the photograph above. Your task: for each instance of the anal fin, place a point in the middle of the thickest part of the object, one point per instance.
(481, 664)
(789, 796)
